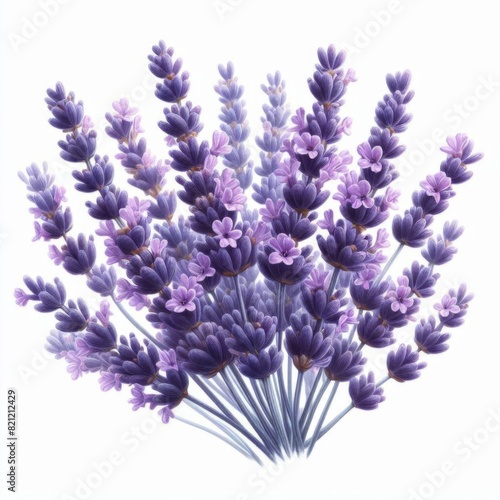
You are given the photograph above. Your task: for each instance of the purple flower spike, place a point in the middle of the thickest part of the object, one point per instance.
(370, 157)
(446, 306)
(364, 393)
(435, 184)
(225, 233)
(182, 300)
(402, 364)
(286, 251)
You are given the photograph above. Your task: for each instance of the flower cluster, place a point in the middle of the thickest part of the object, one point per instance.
(261, 312)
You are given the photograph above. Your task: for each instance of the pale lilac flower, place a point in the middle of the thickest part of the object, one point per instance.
(139, 301)
(327, 222)
(225, 233)
(234, 199)
(139, 399)
(136, 128)
(22, 298)
(258, 232)
(365, 278)
(125, 290)
(336, 165)
(40, 232)
(350, 317)
(360, 194)
(400, 297)
(158, 247)
(287, 146)
(123, 110)
(170, 141)
(81, 348)
(104, 313)
(456, 145)
(200, 267)
(182, 300)
(168, 360)
(191, 283)
(272, 210)
(381, 240)
(56, 255)
(229, 191)
(390, 199)
(110, 381)
(286, 251)
(107, 228)
(370, 157)
(76, 365)
(307, 144)
(349, 77)
(317, 280)
(435, 184)
(287, 171)
(344, 126)
(220, 144)
(166, 414)
(86, 125)
(209, 164)
(299, 120)
(447, 305)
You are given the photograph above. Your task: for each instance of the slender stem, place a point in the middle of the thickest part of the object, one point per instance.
(244, 451)
(237, 287)
(213, 397)
(282, 409)
(281, 314)
(139, 327)
(286, 408)
(327, 427)
(295, 418)
(322, 417)
(389, 263)
(310, 397)
(275, 414)
(353, 331)
(253, 404)
(257, 426)
(238, 426)
(325, 385)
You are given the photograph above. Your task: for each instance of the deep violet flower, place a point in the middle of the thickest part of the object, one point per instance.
(230, 300)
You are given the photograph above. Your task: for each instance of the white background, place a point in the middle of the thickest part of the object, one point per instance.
(99, 50)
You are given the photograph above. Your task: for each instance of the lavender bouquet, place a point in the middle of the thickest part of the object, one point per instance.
(236, 313)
